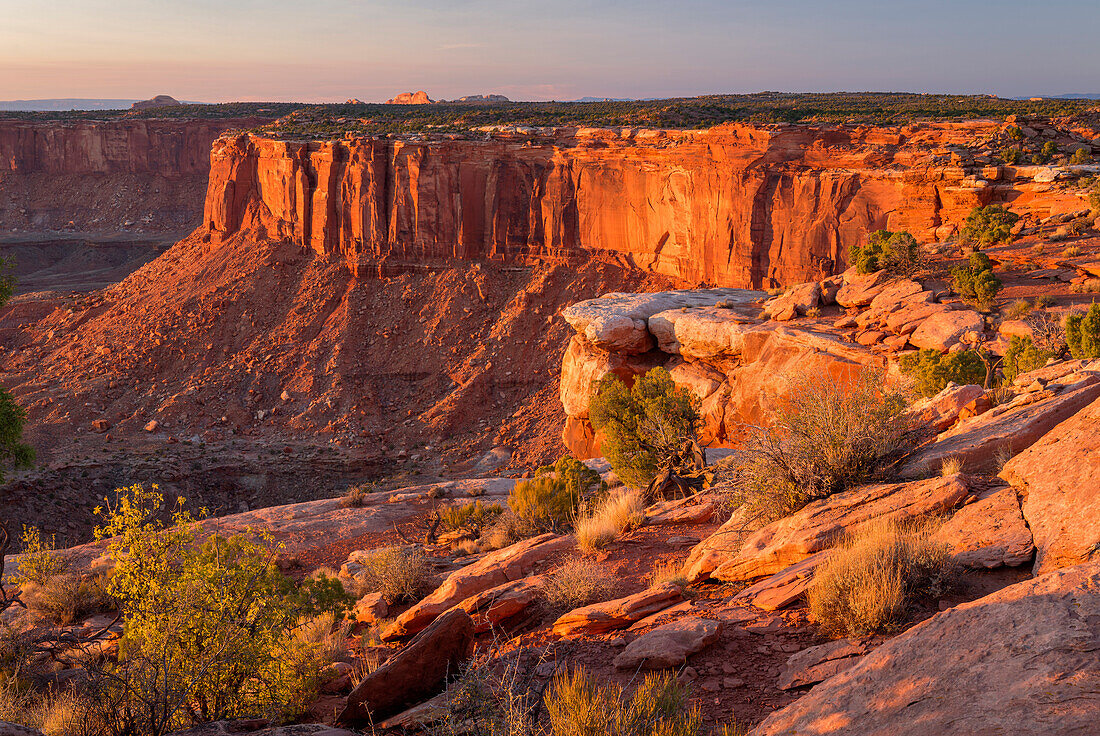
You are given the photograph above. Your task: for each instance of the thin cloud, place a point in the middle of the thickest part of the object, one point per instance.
(455, 46)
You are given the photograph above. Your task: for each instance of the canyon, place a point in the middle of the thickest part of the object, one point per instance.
(356, 335)
(383, 295)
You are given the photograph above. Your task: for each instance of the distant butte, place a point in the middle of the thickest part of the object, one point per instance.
(158, 101)
(411, 98)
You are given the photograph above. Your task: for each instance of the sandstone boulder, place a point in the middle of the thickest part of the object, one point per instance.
(371, 608)
(1021, 661)
(1060, 478)
(814, 664)
(415, 672)
(941, 411)
(497, 568)
(785, 587)
(619, 613)
(821, 524)
(618, 321)
(941, 330)
(669, 645)
(989, 532)
(1005, 430)
(703, 334)
(798, 300)
(859, 289)
(720, 546)
(493, 607)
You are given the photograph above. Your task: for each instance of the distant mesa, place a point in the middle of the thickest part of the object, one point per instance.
(354, 101)
(158, 101)
(411, 98)
(482, 98)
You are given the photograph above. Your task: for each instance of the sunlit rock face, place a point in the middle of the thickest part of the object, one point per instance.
(734, 205)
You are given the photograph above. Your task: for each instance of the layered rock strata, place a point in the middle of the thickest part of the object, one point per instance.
(734, 205)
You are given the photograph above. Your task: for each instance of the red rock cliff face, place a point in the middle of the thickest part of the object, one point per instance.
(101, 175)
(733, 206)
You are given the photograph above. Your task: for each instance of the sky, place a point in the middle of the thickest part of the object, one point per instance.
(331, 50)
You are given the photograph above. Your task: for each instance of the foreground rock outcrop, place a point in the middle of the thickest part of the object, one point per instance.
(1060, 478)
(416, 672)
(1024, 660)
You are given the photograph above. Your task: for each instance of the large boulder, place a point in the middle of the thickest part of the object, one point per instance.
(1023, 661)
(859, 289)
(720, 546)
(619, 613)
(989, 532)
(618, 321)
(492, 608)
(415, 673)
(821, 524)
(669, 645)
(941, 330)
(1059, 477)
(497, 568)
(1006, 430)
(943, 409)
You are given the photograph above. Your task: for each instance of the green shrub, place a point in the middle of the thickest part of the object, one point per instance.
(869, 583)
(1083, 333)
(1023, 356)
(470, 517)
(988, 225)
(39, 561)
(1011, 156)
(932, 370)
(550, 501)
(896, 252)
(643, 426)
(828, 436)
(204, 624)
(1018, 309)
(1080, 156)
(976, 282)
(578, 705)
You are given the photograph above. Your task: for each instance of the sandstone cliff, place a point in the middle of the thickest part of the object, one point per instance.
(99, 176)
(733, 206)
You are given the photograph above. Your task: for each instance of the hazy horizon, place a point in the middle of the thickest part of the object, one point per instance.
(336, 49)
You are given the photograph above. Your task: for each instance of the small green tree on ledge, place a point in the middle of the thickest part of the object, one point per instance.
(644, 425)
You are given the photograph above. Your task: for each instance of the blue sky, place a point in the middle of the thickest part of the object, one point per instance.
(329, 50)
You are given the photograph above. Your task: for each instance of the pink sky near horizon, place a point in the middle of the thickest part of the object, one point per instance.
(329, 50)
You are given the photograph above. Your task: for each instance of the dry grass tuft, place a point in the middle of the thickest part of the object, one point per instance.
(357, 496)
(951, 466)
(870, 581)
(578, 705)
(399, 573)
(67, 597)
(668, 572)
(614, 515)
(578, 582)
